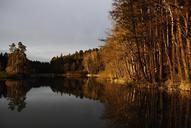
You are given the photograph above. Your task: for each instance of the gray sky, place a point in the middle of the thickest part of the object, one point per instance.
(51, 27)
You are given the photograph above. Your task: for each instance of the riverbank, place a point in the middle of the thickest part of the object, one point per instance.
(178, 86)
(167, 85)
(52, 75)
(4, 75)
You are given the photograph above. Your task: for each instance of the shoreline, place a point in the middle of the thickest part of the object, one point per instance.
(178, 86)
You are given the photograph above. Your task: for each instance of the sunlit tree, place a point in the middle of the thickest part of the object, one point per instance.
(17, 60)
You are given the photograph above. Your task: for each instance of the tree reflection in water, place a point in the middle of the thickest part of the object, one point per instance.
(124, 106)
(16, 94)
(139, 108)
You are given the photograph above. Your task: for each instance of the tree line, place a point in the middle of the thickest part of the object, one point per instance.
(16, 62)
(150, 41)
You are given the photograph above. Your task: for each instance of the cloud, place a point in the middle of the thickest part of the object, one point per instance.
(54, 26)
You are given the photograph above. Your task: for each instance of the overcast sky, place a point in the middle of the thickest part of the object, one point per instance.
(51, 27)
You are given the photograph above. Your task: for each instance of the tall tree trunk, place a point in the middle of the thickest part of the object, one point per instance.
(188, 42)
(167, 6)
(183, 57)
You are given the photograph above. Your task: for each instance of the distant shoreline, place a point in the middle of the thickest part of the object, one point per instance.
(167, 86)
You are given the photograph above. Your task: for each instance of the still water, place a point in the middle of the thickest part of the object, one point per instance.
(84, 103)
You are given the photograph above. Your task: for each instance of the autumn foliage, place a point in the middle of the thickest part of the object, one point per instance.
(150, 41)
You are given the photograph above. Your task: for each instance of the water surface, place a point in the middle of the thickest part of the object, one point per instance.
(82, 103)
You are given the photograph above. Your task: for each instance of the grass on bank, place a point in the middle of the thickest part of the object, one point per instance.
(185, 86)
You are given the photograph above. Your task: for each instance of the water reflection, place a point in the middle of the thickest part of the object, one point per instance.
(15, 92)
(138, 108)
(125, 107)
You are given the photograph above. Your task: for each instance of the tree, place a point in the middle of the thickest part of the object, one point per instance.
(3, 61)
(12, 48)
(150, 41)
(21, 47)
(17, 60)
(92, 61)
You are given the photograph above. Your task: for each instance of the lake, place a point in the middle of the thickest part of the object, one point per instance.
(85, 103)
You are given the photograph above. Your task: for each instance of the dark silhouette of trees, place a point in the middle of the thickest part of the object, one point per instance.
(3, 61)
(39, 67)
(68, 63)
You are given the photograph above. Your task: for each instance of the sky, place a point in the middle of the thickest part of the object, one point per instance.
(51, 27)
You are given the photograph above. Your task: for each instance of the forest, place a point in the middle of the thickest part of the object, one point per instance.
(150, 41)
(16, 62)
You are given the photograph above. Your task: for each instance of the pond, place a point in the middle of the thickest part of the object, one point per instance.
(85, 103)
